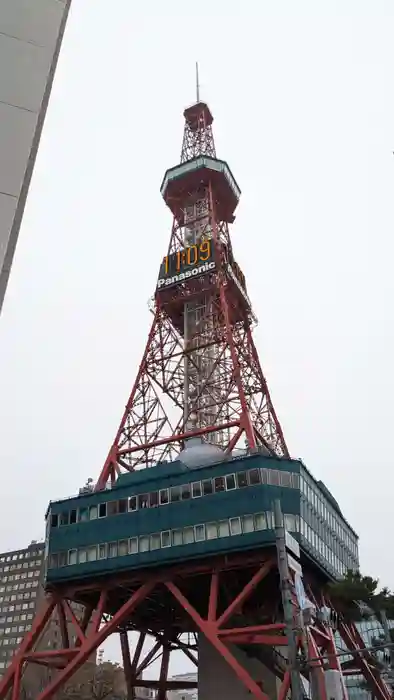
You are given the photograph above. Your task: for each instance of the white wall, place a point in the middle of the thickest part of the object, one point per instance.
(31, 32)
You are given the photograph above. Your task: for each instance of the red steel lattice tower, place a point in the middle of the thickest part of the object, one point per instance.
(200, 377)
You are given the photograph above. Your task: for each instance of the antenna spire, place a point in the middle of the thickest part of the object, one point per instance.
(197, 84)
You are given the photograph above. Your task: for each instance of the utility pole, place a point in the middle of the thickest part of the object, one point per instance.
(286, 586)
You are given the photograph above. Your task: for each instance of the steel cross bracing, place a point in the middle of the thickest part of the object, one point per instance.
(232, 399)
(231, 600)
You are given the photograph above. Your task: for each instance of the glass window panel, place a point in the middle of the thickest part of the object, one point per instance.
(102, 553)
(163, 497)
(82, 556)
(295, 481)
(64, 518)
(133, 503)
(264, 476)
(123, 548)
(186, 492)
(188, 535)
(54, 520)
(285, 479)
(133, 545)
(72, 557)
(155, 541)
(235, 526)
(199, 532)
(177, 537)
(93, 513)
(219, 484)
(175, 492)
(290, 522)
(144, 543)
(212, 531)
(83, 515)
(254, 477)
(153, 499)
(260, 521)
(224, 528)
(242, 480)
(102, 510)
(122, 505)
(143, 500)
(166, 538)
(207, 487)
(196, 489)
(113, 549)
(273, 477)
(247, 523)
(112, 507)
(53, 561)
(92, 552)
(230, 482)
(73, 517)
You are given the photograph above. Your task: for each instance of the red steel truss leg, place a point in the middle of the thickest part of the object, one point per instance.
(210, 630)
(94, 639)
(285, 686)
(354, 641)
(27, 645)
(127, 670)
(165, 662)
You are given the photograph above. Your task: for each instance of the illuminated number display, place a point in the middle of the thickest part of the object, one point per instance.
(190, 262)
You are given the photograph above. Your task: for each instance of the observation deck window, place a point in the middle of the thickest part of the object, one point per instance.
(247, 523)
(177, 537)
(235, 526)
(175, 493)
(260, 521)
(199, 533)
(188, 535)
(92, 553)
(93, 513)
(254, 477)
(164, 497)
(133, 503)
(230, 482)
(102, 510)
(123, 548)
(166, 538)
(54, 520)
(212, 531)
(64, 518)
(133, 545)
(122, 506)
(196, 489)
(155, 541)
(143, 500)
(153, 499)
(113, 549)
(72, 556)
(112, 508)
(219, 484)
(83, 515)
(207, 488)
(102, 553)
(242, 480)
(186, 492)
(274, 477)
(224, 528)
(82, 556)
(144, 543)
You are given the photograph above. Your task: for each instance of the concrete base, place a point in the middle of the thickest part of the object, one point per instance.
(216, 679)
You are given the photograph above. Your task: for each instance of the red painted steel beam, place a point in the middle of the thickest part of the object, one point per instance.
(210, 631)
(93, 641)
(245, 593)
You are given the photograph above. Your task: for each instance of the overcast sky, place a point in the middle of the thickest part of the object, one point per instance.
(302, 95)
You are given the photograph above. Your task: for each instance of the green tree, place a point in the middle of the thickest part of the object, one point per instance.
(101, 682)
(357, 597)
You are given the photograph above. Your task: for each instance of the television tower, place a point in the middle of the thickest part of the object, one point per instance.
(200, 400)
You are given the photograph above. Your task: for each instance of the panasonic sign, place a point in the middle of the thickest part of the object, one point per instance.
(183, 276)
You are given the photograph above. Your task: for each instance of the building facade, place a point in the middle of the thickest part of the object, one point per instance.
(31, 33)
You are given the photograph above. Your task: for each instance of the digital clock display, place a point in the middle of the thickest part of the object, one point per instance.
(190, 262)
